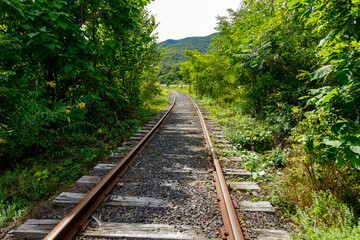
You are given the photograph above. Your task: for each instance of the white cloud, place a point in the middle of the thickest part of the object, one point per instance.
(186, 18)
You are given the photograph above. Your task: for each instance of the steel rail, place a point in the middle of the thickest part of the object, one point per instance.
(77, 219)
(231, 221)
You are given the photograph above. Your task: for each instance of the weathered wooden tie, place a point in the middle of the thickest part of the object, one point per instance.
(261, 206)
(69, 198)
(104, 167)
(233, 159)
(91, 181)
(238, 172)
(269, 234)
(243, 186)
(39, 228)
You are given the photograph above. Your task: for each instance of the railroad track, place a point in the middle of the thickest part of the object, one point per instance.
(161, 189)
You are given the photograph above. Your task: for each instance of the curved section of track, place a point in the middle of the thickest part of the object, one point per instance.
(77, 219)
(231, 222)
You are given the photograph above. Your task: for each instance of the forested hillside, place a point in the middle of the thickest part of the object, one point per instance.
(175, 53)
(284, 78)
(75, 78)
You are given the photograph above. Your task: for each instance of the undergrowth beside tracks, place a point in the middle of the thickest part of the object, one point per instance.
(72, 86)
(70, 156)
(317, 201)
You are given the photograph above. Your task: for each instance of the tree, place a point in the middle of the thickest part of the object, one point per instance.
(58, 57)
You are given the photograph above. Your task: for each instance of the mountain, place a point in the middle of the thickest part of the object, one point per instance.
(175, 48)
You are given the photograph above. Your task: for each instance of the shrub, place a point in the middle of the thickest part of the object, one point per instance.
(252, 140)
(326, 218)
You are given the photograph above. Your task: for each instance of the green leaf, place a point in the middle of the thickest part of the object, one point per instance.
(111, 44)
(20, 12)
(90, 158)
(355, 148)
(328, 96)
(43, 29)
(340, 162)
(340, 128)
(324, 40)
(321, 72)
(332, 143)
(62, 24)
(278, 1)
(355, 161)
(314, 91)
(291, 3)
(36, 12)
(73, 74)
(58, 6)
(77, 114)
(90, 67)
(68, 67)
(31, 35)
(54, 15)
(303, 97)
(50, 45)
(343, 77)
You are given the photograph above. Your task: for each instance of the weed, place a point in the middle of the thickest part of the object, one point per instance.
(326, 218)
(9, 212)
(210, 186)
(309, 182)
(71, 153)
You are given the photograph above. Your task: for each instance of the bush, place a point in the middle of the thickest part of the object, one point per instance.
(251, 134)
(70, 147)
(326, 218)
(252, 140)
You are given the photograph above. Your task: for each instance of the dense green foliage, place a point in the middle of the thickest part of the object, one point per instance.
(175, 48)
(175, 53)
(73, 79)
(270, 54)
(67, 65)
(290, 71)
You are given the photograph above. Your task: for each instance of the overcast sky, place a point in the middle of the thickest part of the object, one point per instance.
(188, 18)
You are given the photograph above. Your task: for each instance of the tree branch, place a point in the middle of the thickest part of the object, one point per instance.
(95, 15)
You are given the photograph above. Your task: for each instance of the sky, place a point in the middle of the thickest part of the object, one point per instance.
(188, 18)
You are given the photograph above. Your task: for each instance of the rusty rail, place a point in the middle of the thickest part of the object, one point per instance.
(77, 219)
(231, 222)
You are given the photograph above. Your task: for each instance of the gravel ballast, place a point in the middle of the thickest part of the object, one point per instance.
(173, 167)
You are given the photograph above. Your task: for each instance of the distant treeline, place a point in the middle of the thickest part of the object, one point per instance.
(175, 53)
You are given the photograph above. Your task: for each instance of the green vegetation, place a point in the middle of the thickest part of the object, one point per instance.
(35, 179)
(76, 78)
(175, 53)
(283, 77)
(332, 220)
(176, 48)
